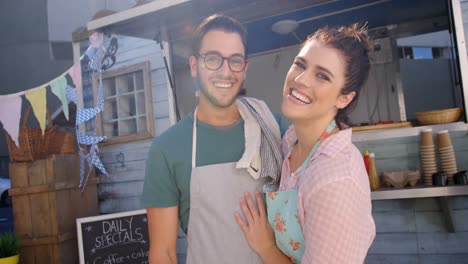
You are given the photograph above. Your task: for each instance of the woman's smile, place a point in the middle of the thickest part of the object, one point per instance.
(297, 97)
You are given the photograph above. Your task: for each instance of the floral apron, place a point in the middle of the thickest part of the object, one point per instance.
(282, 210)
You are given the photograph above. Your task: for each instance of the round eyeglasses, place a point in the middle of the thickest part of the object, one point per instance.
(214, 61)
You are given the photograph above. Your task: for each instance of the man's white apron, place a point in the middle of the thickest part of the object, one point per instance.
(215, 191)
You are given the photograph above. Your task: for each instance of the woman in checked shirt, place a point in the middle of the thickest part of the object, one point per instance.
(322, 210)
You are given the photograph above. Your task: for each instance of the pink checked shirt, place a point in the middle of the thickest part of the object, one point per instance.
(334, 204)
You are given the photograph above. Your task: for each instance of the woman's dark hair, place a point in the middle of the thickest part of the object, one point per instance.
(217, 22)
(356, 45)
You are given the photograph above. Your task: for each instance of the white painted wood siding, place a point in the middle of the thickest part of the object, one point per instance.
(122, 189)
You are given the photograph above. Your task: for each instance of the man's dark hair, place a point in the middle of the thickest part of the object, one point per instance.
(218, 22)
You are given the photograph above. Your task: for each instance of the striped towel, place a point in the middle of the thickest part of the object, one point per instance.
(270, 152)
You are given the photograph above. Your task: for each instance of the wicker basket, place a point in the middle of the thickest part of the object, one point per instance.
(439, 116)
(32, 144)
(63, 142)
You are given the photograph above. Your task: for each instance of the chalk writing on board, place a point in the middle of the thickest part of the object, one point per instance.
(114, 238)
(118, 232)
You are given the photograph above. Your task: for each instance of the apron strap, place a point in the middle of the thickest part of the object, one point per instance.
(194, 138)
(324, 135)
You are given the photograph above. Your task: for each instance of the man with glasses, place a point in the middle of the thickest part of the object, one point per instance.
(191, 172)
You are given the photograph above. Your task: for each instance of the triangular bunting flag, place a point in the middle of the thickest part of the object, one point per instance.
(59, 87)
(75, 74)
(38, 99)
(10, 115)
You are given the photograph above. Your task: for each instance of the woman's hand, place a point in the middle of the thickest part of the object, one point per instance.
(257, 229)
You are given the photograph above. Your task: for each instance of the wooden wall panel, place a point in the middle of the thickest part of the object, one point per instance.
(131, 170)
(119, 204)
(161, 109)
(413, 230)
(121, 190)
(444, 258)
(443, 243)
(461, 220)
(162, 124)
(430, 222)
(393, 222)
(129, 155)
(160, 92)
(395, 243)
(392, 259)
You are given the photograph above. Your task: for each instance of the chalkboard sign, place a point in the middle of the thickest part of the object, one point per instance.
(114, 238)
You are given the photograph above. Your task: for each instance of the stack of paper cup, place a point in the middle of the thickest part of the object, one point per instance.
(428, 156)
(448, 161)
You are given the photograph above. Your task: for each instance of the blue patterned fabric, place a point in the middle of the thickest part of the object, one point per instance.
(71, 94)
(86, 114)
(89, 156)
(283, 217)
(88, 140)
(95, 57)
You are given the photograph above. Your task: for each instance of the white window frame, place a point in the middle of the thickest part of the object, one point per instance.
(145, 68)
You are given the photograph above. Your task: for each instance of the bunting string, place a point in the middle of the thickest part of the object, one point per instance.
(10, 105)
(42, 86)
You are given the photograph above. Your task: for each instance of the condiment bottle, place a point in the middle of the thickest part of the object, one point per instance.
(366, 160)
(373, 174)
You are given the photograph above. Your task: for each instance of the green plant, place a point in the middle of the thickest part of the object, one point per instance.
(9, 245)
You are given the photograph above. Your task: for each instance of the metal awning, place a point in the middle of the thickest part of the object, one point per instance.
(142, 21)
(180, 17)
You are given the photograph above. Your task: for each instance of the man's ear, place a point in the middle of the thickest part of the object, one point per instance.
(345, 99)
(193, 66)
